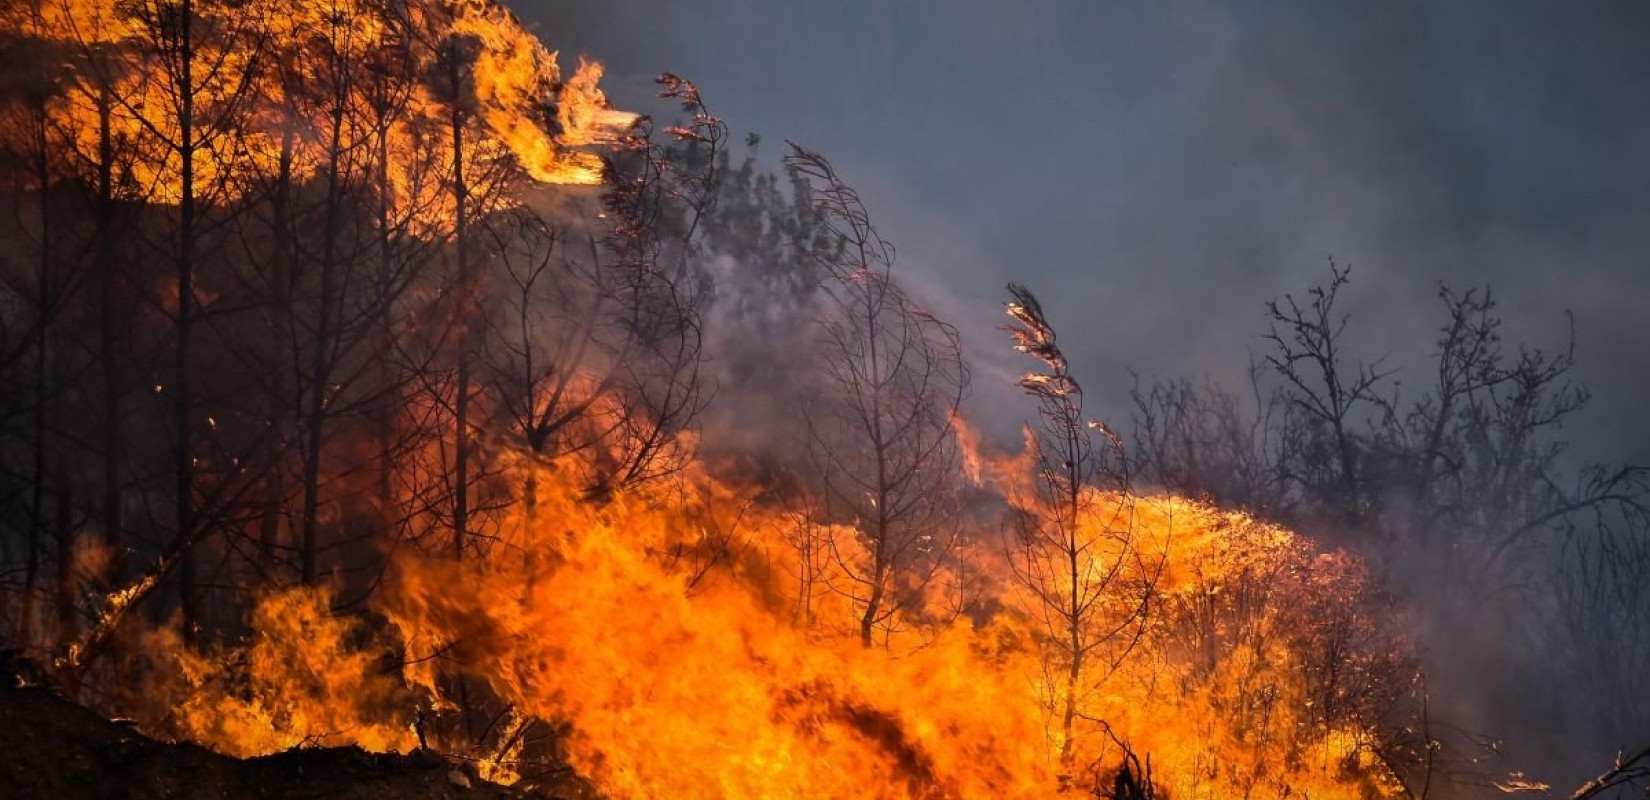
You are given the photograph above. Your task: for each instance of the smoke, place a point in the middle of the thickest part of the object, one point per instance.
(1170, 168)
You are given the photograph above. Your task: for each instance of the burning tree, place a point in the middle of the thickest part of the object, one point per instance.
(883, 442)
(203, 61)
(1075, 552)
(599, 360)
(331, 256)
(660, 198)
(282, 164)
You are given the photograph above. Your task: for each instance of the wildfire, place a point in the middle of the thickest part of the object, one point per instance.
(694, 634)
(671, 678)
(249, 110)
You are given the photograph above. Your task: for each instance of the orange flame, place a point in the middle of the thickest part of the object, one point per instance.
(681, 678)
(244, 107)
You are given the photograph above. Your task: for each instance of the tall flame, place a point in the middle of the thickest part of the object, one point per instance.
(116, 79)
(661, 629)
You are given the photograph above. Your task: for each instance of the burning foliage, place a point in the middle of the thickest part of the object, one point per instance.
(1267, 667)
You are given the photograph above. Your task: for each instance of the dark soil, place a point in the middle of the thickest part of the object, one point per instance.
(52, 749)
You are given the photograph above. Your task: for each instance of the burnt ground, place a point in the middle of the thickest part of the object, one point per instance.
(52, 749)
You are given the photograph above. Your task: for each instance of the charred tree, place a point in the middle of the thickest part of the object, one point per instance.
(883, 442)
(1075, 551)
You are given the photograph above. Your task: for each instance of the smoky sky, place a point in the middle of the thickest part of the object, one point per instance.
(1156, 171)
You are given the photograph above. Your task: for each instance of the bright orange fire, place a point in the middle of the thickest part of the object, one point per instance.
(511, 80)
(661, 629)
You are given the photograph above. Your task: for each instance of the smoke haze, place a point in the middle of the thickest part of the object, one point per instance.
(1159, 171)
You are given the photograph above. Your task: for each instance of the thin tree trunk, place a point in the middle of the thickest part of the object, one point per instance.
(320, 364)
(387, 378)
(41, 388)
(182, 389)
(879, 562)
(1074, 611)
(461, 404)
(64, 536)
(283, 396)
(110, 352)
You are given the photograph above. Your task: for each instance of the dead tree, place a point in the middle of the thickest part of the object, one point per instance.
(1600, 628)
(883, 441)
(346, 91)
(658, 198)
(600, 353)
(1327, 391)
(183, 76)
(472, 186)
(104, 163)
(205, 58)
(399, 258)
(1464, 487)
(1475, 455)
(456, 82)
(42, 287)
(1075, 550)
(1204, 440)
(1132, 780)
